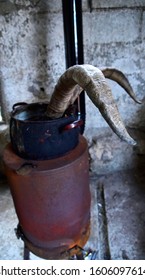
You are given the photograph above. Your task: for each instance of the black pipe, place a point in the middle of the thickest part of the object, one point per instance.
(79, 25)
(80, 52)
(69, 38)
(70, 52)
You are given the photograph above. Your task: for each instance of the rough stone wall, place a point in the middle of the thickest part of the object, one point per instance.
(33, 57)
(32, 51)
(114, 35)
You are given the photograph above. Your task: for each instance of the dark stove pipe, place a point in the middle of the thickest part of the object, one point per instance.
(80, 53)
(70, 41)
(79, 31)
(69, 37)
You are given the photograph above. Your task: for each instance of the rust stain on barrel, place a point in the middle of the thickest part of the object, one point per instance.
(52, 201)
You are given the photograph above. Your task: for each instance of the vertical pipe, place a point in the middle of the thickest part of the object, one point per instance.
(80, 52)
(69, 36)
(79, 25)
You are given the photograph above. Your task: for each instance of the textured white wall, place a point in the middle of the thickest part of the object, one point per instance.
(32, 52)
(115, 37)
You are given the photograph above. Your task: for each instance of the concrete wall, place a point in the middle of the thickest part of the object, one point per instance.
(32, 51)
(114, 36)
(33, 58)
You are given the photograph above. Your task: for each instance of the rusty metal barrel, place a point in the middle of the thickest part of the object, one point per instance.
(52, 200)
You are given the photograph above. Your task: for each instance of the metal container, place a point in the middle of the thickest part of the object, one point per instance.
(34, 136)
(52, 200)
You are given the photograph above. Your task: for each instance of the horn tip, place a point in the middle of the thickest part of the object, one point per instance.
(132, 142)
(138, 101)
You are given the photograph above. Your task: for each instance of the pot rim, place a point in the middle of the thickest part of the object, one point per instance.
(24, 107)
(44, 121)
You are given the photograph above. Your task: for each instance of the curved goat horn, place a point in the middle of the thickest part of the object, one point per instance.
(117, 76)
(92, 80)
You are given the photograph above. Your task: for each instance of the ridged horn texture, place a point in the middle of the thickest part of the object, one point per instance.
(92, 80)
(119, 77)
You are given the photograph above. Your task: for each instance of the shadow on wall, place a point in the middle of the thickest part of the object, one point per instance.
(109, 154)
(140, 117)
(137, 130)
(2, 115)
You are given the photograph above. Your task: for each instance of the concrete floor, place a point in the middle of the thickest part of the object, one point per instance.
(117, 218)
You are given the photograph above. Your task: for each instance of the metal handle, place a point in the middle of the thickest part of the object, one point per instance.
(25, 168)
(19, 104)
(73, 125)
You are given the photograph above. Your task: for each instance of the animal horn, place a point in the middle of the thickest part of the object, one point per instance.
(91, 79)
(117, 76)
